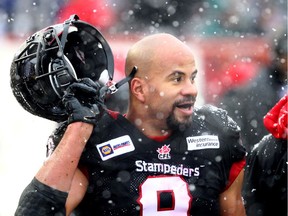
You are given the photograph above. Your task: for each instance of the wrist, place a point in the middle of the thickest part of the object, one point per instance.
(82, 129)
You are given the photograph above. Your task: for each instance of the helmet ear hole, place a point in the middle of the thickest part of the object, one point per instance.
(62, 74)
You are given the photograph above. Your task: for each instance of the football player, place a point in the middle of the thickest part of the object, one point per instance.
(163, 157)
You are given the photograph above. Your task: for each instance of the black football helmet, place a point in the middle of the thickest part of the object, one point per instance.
(53, 58)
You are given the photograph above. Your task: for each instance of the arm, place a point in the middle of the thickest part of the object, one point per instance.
(47, 194)
(59, 169)
(77, 191)
(59, 175)
(231, 203)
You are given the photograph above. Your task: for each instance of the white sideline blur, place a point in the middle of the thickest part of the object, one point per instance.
(22, 137)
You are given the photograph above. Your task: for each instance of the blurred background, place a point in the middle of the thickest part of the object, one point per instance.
(232, 41)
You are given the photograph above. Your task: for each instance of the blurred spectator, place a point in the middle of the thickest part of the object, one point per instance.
(152, 16)
(248, 104)
(239, 18)
(265, 179)
(201, 18)
(226, 18)
(185, 18)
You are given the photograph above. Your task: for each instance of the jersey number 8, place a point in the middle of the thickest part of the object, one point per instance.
(164, 195)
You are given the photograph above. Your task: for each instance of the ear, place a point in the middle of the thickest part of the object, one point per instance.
(137, 88)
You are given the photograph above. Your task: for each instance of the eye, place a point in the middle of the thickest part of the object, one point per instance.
(193, 77)
(177, 77)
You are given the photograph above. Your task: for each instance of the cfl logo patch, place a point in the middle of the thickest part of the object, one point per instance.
(164, 152)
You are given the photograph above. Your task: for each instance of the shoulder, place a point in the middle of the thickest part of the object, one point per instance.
(109, 126)
(269, 154)
(216, 119)
(269, 148)
(108, 119)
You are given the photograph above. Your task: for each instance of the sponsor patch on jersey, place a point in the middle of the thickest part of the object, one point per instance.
(115, 147)
(202, 142)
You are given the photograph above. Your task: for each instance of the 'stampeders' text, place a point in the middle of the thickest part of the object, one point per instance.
(143, 166)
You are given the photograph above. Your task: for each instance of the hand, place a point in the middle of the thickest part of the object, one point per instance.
(82, 103)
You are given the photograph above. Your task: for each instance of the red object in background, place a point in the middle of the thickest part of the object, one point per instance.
(97, 13)
(230, 62)
(275, 120)
(239, 72)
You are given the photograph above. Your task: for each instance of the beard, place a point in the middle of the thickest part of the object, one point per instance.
(173, 123)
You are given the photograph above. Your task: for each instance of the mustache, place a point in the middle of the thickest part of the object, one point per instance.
(186, 99)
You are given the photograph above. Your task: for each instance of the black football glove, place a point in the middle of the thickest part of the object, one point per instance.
(82, 102)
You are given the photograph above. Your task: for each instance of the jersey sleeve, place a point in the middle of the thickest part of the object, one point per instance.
(236, 168)
(41, 200)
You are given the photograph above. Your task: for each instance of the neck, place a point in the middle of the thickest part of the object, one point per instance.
(149, 127)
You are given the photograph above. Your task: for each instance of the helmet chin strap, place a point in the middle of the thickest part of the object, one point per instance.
(108, 90)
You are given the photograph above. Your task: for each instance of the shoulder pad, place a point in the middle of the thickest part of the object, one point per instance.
(217, 119)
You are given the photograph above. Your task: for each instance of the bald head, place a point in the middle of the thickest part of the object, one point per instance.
(153, 52)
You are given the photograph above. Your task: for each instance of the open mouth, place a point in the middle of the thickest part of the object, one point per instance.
(185, 107)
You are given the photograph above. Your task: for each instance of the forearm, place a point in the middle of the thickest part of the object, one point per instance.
(58, 171)
(231, 202)
(236, 208)
(40, 200)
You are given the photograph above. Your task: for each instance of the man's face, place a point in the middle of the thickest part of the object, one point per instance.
(172, 94)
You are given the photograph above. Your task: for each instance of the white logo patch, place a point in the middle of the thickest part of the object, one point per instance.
(115, 147)
(202, 142)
